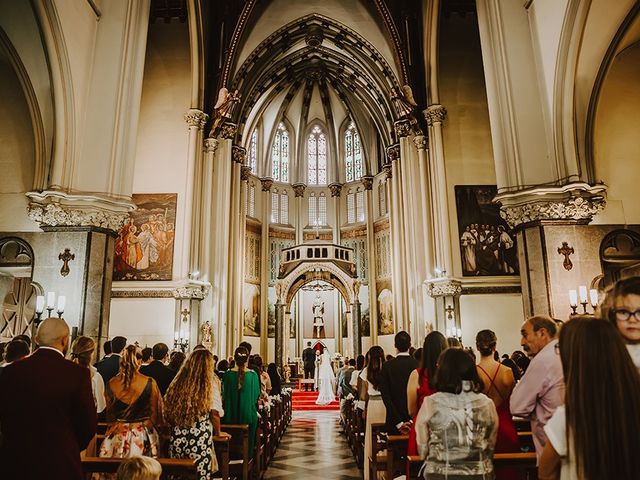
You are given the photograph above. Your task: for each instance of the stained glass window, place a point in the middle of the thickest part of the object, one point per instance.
(317, 157)
(275, 210)
(360, 205)
(351, 207)
(313, 209)
(280, 155)
(382, 198)
(251, 200)
(253, 152)
(284, 208)
(353, 154)
(322, 209)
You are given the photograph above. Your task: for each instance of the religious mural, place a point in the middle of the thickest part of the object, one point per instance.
(144, 247)
(385, 312)
(251, 310)
(487, 244)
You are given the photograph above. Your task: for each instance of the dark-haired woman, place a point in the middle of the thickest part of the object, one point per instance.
(240, 394)
(596, 433)
(276, 381)
(421, 381)
(375, 410)
(456, 427)
(498, 382)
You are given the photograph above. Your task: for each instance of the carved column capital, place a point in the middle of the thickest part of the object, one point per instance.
(393, 152)
(245, 172)
(266, 183)
(367, 182)
(196, 118)
(188, 292)
(444, 287)
(238, 154)
(298, 189)
(435, 114)
(402, 127)
(228, 130)
(336, 189)
(420, 141)
(211, 145)
(388, 170)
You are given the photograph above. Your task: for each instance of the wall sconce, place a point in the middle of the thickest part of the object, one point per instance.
(581, 294)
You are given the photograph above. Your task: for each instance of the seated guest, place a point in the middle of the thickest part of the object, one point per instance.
(422, 381)
(456, 427)
(371, 376)
(146, 356)
(193, 406)
(47, 411)
(222, 367)
(82, 352)
(109, 366)
(276, 381)
(176, 360)
(240, 393)
(265, 381)
(134, 403)
(595, 434)
(15, 350)
(157, 369)
(139, 468)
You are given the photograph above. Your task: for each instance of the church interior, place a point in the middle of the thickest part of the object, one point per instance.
(280, 172)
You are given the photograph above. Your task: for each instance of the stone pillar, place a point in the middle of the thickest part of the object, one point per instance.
(336, 189)
(266, 184)
(446, 293)
(298, 191)
(371, 259)
(356, 320)
(280, 334)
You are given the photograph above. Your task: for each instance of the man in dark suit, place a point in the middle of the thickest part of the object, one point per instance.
(109, 366)
(47, 411)
(393, 385)
(157, 369)
(309, 362)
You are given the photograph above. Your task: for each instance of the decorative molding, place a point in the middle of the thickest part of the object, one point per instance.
(444, 287)
(575, 201)
(285, 235)
(314, 37)
(420, 141)
(336, 189)
(211, 145)
(238, 154)
(298, 189)
(354, 233)
(402, 128)
(325, 237)
(367, 182)
(191, 292)
(393, 152)
(266, 184)
(490, 289)
(168, 293)
(388, 171)
(245, 173)
(196, 118)
(228, 130)
(435, 114)
(381, 226)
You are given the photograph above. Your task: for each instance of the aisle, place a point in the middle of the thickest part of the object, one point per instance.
(302, 400)
(313, 448)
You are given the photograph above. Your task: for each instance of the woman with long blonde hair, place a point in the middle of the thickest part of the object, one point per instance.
(134, 404)
(193, 406)
(83, 352)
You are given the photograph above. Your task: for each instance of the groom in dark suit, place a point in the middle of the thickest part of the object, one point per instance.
(309, 361)
(109, 366)
(393, 385)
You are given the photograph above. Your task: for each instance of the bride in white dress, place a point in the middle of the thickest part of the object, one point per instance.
(326, 380)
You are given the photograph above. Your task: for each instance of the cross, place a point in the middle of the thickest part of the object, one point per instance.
(566, 250)
(66, 257)
(449, 309)
(185, 315)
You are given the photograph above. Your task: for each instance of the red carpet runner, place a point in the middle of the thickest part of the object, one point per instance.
(302, 400)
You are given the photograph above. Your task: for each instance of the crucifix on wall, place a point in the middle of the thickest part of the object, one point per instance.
(566, 250)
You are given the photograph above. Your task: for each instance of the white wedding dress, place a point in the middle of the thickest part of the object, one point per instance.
(326, 381)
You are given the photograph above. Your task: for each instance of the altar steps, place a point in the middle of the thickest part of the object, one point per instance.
(302, 400)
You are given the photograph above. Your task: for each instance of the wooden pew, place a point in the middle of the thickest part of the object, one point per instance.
(240, 461)
(376, 459)
(524, 462)
(221, 447)
(185, 468)
(396, 454)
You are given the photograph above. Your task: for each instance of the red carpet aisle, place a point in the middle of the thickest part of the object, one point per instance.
(307, 401)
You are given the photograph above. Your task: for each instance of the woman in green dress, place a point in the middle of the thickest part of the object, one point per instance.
(240, 393)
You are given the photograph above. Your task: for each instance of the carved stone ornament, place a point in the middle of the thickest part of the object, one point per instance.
(56, 215)
(435, 114)
(445, 288)
(336, 189)
(266, 183)
(211, 145)
(388, 171)
(66, 257)
(146, 293)
(402, 128)
(298, 189)
(420, 141)
(188, 292)
(238, 154)
(228, 130)
(314, 38)
(196, 118)
(367, 182)
(245, 173)
(393, 152)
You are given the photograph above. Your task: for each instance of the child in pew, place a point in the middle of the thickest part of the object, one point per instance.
(139, 468)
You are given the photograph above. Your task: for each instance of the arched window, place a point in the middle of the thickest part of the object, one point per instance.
(253, 152)
(317, 209)
(313, 209)
(280, 155)
(355, 206)
(382, 198)
(279, 207)
(251, 200)
(353, 154)
(317, 157)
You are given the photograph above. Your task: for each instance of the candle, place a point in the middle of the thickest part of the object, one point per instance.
(593, 294)
(573, 298)
(40, 304)
(448, 332)
(583, 293)
(176, 336)
(51, 300)
(459, 333)
(62, 301)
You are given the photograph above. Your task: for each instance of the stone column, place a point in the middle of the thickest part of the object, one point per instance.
(356, 320)
(298, 191)
(446, 293)
(280, 334)
(336, 189)
(367, 182)
(266, 184)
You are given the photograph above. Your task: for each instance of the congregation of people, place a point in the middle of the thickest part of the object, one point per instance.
(577, 383)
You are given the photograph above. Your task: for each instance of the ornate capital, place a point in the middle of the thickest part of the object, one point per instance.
(388, 170)
(435, 114)
(336, 189)
(367, 182)
(211, 145)
(402, 127)
(238, 154)
(298, 189)
(420, 141)
(196, 118)
(444, 287)
(188, 292)
(245, 172)
(393, 152)
(228, 130)
(266, 183)
(576, 201)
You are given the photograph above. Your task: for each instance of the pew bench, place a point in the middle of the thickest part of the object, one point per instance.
(524, 463)
(185, 468)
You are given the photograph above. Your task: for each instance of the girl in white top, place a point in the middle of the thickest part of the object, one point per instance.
(375, 409)
(595, 435)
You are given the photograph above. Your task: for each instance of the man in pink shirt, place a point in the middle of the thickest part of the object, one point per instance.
(541, 389)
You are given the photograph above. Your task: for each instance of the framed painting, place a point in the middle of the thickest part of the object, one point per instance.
(487, 244)
(144, 247)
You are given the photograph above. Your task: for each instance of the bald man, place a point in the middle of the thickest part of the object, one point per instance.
(47, 411)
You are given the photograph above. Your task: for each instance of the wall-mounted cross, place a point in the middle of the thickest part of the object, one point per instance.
(66, 257)
(566, 250)
(449, 309)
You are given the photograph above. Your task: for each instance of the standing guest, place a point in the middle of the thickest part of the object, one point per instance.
(498, 383)
(422, 381)
(265, 381)
(106, 347)
(371, 376)
(247, 346)
(309, 363)
(15, 350)
(157, 369)
(596, 433)
(82, 352)
(26, 339)
(146, 356)
(193, 406)
(621, 307)
(507, 362)
(453, 342)
(393, 385)
(139, 468)
(276, 380)
(456, 427)
(541, 390)
(418, 355)
(134, 404)
(344, 388)
(521, 360)
(109, 366)
(46, 410)
(240, 393)
(222, 367)
(176, 360)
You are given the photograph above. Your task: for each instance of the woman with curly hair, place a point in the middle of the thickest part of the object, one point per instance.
(134, 404)
(192, 407)
(371, 375)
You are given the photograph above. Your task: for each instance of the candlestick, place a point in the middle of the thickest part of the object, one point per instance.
(593, 294)
(583, 293)
(573, 298)
(176, 336)
(62, 301)
(40, 304)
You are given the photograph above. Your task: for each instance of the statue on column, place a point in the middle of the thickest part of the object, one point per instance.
(223, 109)
(405, 106)
(318, 317)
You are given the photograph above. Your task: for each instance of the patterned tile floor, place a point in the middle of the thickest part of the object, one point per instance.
(312, 447)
